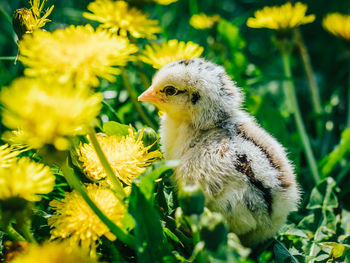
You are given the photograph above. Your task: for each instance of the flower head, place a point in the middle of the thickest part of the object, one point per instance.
(48, 112)
(77, 53)
(338, 25)
(281, 18)
(202, 21)
(160, 55)
(25, 179)
(126, 155)
(8, 155)
(25, 21)
(53, 252)
(74, 219)
(119, 18)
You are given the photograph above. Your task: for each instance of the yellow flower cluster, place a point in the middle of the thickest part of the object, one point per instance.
(23, 178)
(47, 112)
(281, 18)
(74, 219)
(338, 25)
(54, 252)
(27, 20)
(119, 18)
(202, 21)
(77, 53)
(126, 155)
(160, 55)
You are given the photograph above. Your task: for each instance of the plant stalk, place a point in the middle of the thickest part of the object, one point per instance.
(8, 58)
(25, 229)
(117, 185)
(348, 117)
(298, 119)
(134, 101)
(311, 79)
(193, 6)
(75, 183)
(7, 17)
(13, 234)
(144, 79)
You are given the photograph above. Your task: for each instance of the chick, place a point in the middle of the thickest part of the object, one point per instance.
(243, 170)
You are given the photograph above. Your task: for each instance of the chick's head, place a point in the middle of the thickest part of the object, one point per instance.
(194, 90)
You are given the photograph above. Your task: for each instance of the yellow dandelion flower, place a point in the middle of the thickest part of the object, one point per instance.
(74, 219)
(165, 2)
(119, 18)
(126, 155)
(53, 252)
(160, 55)
(338, 25)
(77, 53)
(25, 21)
(281, 18)
(202, 21)
(25, 179)
(48, 112)
(8, 155)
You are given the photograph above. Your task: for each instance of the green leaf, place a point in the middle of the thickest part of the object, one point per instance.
(146, 180)
(115, 128)
(172, 236)
(151, 245)
(323, 195)
(282, 254)
(338, 250)
(332, 159)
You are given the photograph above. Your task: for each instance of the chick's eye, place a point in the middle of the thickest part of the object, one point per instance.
(170, 90)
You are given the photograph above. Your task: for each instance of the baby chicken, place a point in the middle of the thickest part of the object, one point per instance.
(243, 170)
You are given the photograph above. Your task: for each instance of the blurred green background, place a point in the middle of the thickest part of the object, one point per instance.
(249, 57)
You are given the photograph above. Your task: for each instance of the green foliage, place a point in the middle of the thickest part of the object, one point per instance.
(337, 155)
(115, 128)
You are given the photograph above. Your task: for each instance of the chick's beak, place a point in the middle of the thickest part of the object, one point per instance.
(149, 95)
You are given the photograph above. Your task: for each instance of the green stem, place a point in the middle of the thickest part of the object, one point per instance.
(134, 101)
(348, 118)
(14, 235)
(314, 89)
(8, 58)
(74, 182)
(25, 229)
(117, 185)
(110, 108)
(4, 13)
(193, 5)
(144, 79)
(298, 119)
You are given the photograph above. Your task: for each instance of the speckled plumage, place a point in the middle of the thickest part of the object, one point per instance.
(244, 171)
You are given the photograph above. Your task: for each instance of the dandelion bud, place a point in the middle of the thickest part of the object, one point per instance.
(214, 231)
(191, 199)
(149, 137)
(23, 20)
